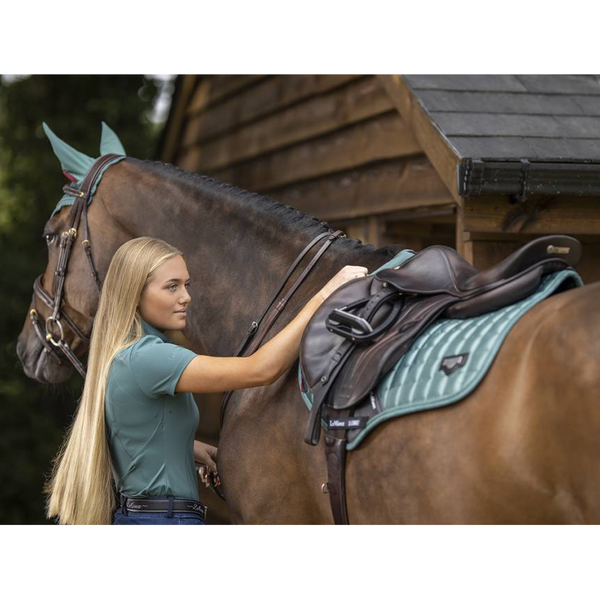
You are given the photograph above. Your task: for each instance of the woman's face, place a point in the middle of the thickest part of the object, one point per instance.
(165, 295)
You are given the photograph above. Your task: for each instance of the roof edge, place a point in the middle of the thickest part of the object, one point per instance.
(520, 179)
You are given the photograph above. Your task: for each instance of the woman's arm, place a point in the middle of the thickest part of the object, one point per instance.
(206, 374)
(279, 353)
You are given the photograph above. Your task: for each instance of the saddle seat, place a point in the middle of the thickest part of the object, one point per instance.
(441, 270)
(363, 328)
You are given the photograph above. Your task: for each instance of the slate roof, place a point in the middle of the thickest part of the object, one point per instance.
(553, 118)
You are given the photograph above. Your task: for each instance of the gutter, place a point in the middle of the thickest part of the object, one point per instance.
(521, 179)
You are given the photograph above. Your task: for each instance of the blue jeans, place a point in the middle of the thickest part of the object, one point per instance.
(179, 517)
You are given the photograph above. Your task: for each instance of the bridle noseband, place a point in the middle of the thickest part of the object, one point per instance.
(46, 334)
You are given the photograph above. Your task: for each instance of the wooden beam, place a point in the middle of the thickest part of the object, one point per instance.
(535, 215)
(268, 96)
(433, 142)
(460, 234)
(219, 87)
(384, 188)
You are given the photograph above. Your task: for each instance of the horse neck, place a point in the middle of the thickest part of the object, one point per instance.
(236, 255)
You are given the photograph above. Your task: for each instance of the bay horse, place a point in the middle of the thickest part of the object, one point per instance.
(523, 447)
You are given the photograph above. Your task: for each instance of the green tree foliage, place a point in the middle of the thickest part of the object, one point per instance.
(33, 416)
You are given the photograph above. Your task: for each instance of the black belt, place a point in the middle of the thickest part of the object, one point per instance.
(161, 505)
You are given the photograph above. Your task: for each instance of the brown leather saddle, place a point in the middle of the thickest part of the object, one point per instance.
(364, 327)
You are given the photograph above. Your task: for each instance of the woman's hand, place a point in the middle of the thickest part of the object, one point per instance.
(205, 457)
(342, 276)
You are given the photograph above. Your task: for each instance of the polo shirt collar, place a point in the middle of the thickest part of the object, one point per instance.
(150, 330)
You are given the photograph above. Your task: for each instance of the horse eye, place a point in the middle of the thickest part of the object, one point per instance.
(49, 237)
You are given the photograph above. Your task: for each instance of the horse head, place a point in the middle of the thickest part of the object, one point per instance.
(56, 332)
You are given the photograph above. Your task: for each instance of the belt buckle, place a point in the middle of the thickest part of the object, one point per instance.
(200, 508)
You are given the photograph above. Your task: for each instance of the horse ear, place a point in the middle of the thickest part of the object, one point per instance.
(109, 142)
(72, 160)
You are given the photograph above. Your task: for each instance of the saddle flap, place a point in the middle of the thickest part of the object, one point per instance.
(366, 366)
(319, 347)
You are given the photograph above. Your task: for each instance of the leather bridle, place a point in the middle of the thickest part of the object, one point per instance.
(55, 320)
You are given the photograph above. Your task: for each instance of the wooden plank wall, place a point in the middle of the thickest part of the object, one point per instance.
(332, 146)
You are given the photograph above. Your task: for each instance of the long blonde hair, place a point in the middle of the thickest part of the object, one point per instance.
(80, 489)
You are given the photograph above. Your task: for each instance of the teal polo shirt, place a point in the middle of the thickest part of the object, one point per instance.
(151, 428)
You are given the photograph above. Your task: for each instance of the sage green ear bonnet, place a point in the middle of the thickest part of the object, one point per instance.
(76, 165)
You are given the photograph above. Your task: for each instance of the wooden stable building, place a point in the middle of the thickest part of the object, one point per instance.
(482, 163)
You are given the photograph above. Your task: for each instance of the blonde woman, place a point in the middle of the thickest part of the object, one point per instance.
(136, 421)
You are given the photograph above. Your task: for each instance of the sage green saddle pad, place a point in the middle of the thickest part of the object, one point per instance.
(446, 362)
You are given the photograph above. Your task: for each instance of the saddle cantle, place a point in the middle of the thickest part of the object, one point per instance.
(363, 328)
